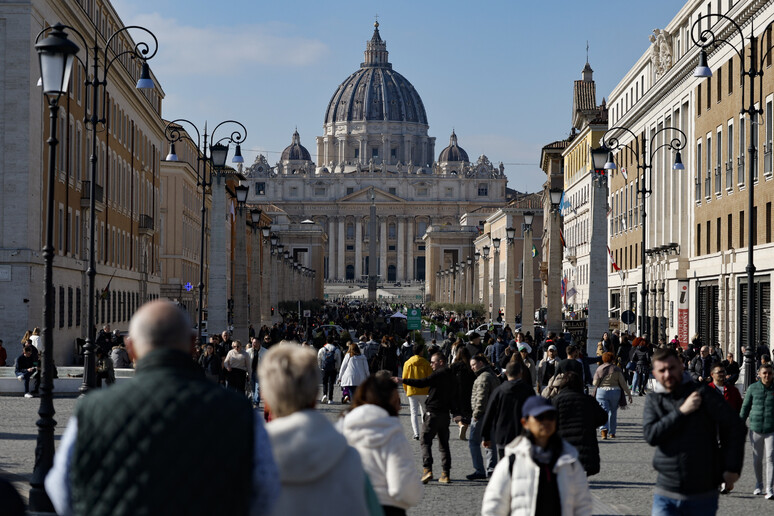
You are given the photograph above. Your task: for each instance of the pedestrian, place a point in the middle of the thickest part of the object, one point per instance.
(105, 368)
(387, 356)
(579, 417)
(699, 440)
(319, 472)
(726, 389)
(441, 400)
(329, 361)
(502, 419)
(237, 366)
(732, 369)
(529, 364)
(758, 405)
(372, 427)
(463, 382)
(701, 365)
(474, 345)
(640, 357)
(483, 387)
(148, 430)
(26, 369)
(258, 353)
(210, 362)
(540, 474)
(119, 356)
(353, 372)
(416, 367)
(547, 368)
(611, 387)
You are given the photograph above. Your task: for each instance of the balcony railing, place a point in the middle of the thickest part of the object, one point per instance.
(146, 222)
(86, 192)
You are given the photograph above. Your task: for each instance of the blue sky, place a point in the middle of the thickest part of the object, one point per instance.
(499, 72)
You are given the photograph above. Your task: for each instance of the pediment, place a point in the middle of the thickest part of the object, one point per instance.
(364, 196)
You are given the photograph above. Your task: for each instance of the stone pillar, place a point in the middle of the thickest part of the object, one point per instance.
(358, 248)
(510, 282)
(463, 283)
(485, 287)
(240, 278)
(341, 251)
(383, 248)
(475, 279)
(400, 272)
(265, 283)
(255, 279)
(554, 308)
(217, 290)
(528, 287)
(274, 287)
(410, 251)
(496, 285)
(332, 248)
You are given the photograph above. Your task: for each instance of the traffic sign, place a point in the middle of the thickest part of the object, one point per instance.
(307, 313)
(468, 313)
(414, 319)
(628, 317)
(188, 286)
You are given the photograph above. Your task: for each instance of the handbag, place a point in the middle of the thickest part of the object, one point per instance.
(631, 365)
(622, 401)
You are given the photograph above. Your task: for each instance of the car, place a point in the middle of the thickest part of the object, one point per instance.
(484, 327)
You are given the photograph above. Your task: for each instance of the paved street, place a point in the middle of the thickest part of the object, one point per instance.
(624, 485)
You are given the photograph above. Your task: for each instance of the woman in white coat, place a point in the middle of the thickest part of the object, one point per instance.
(353, 372)
(372, 427)
(540, 473)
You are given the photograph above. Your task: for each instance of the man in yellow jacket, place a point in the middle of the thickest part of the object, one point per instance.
(415, 368)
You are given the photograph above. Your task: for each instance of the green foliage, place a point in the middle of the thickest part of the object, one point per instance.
(458, 308)
(417, 337)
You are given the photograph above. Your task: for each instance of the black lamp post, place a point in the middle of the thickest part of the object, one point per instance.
(56, 54)
(218, 152)
(93, 119)
(708, 39)
(611, 141)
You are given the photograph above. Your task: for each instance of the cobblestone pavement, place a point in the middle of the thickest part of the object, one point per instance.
(624, 486)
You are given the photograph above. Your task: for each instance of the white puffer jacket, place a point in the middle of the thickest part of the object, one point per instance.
(354, 371)
(515, 493)
(386, 454)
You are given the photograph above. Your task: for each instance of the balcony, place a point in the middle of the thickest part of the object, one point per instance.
(86, 194)
(145, 227)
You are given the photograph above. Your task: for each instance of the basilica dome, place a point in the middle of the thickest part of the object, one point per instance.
(295, 151)
(376, 91)
(453, 152)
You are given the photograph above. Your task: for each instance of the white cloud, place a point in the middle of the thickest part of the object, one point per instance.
(188, 50)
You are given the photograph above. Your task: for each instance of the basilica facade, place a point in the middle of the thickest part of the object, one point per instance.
(375, 148)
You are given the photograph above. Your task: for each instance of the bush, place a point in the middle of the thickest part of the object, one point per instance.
(458, 308)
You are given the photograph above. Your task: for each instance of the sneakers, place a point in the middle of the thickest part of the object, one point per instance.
(427, 475)
(324, 399)
(20, 378)
(330, 402)
(463, 432)
(28, 395)
(475, 476)
(445, 478)
(416, 437)
(770, 496)
(758, 491)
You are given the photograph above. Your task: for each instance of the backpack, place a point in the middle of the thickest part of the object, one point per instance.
(329, 360)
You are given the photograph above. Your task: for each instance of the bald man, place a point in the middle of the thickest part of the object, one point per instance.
(137, 447)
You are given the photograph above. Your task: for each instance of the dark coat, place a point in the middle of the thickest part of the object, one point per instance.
(502, 419)
(464, 377)
(688, 458)
(579, 417)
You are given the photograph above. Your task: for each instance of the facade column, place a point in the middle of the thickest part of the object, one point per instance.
(240, 278)
(528, 286)
(341, 251)
(217, 299)
(463, 283)
(358, 248)
(510, 282)
(255, 280)
(554, 308)
(400, 272)
(476, 271)
(496, 285)
(383, 248)
(332, 248)
(265, 283)
(273, 287)
(410, 250)
(485, 287)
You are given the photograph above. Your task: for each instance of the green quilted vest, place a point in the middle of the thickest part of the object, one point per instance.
(166, 442)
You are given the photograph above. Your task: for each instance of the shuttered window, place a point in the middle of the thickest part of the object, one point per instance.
(762, 309)
(707, 313)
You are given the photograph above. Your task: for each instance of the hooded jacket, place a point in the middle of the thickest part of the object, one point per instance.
(579, 417)
(386, 454)
(515, 492)
(313, 460)
(416, 367)
(354, 371)
(502, 419)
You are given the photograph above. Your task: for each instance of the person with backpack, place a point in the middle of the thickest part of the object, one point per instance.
(540, 470)
(329, 360)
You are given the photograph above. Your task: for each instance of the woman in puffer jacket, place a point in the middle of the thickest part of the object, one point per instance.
(540, 473)
(353, 372)
(373, 428)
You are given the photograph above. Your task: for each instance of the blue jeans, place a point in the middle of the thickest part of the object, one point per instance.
(474, 443)
(663, 506)
(608, 399)
(640, 381)
(256, 389)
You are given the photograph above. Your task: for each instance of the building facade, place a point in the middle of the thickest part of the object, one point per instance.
(128, 180)
(376, 135)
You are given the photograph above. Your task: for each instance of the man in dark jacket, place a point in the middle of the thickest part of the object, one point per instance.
(699, 440)
(474, 345)
(701, 366)
(147, 430)
(440, 402)
(26, 369)
(502, 419)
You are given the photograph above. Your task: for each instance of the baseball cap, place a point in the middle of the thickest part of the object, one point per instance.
(552, 347)
(535, 406)
(523, 347)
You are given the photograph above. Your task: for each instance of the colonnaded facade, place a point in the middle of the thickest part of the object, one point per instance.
(375, 135)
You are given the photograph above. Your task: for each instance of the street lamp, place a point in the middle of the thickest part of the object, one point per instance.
(510, 279)
(611, 141)
(706, 39)
(56, 54)
(216, 158)
(93, 118)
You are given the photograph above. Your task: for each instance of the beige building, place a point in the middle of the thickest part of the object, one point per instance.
(127, 180)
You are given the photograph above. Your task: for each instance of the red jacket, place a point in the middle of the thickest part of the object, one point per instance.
(732, 396)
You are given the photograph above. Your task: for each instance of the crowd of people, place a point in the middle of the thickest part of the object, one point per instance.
(531, 408)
